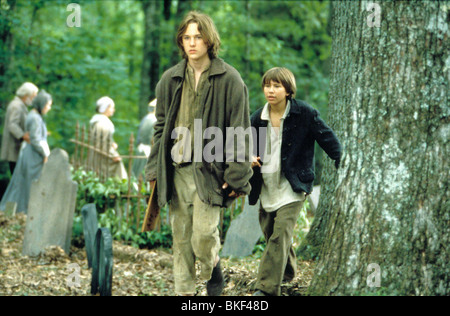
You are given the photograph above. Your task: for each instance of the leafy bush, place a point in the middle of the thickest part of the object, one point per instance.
(112, 212)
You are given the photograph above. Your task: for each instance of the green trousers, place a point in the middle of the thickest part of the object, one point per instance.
(278, 261)
(194, 230)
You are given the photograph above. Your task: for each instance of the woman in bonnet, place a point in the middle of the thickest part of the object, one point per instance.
(101, 133)
(32, 156)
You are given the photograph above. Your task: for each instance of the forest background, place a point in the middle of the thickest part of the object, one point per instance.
(121, 48)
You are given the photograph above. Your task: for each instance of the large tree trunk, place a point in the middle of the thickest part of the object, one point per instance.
(384, 219)
(151, 59)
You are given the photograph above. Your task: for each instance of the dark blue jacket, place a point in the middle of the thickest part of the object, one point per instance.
(301, 129)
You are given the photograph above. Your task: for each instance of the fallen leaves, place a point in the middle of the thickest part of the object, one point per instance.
(136, 272)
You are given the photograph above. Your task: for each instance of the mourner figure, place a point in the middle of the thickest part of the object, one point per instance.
(144, 139)
(14, 128)
(32, 157)
(204, 88)
(284, 171)
(101, 133)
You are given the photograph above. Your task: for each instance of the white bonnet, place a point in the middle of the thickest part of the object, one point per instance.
(103, 103)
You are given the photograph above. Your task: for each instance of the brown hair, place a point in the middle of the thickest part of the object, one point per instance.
(283, 76)
(206, 27)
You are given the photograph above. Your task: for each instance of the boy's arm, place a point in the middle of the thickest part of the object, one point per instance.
(237, 174)
(327, 139)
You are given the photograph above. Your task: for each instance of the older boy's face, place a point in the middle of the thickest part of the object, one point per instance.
(193, 43)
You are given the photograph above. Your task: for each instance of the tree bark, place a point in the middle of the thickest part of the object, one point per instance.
(151, 59)
(385, 213)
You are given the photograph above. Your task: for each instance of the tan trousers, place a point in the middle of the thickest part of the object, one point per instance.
(195, 232)
(278, 260)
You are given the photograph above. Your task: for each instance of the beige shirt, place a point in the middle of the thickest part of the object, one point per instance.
(276, 190)
(189, 106)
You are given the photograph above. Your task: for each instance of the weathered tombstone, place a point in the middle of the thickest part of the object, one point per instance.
(243, 233)
(51, 207)
(10, 209)
(90, 227)
(102, 264)
(313, 198)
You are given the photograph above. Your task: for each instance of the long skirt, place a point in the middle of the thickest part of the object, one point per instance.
(28, 168)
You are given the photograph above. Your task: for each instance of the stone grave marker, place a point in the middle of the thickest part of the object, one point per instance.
(10, 209)
(90, 227)
(243, 233)
(102, 263)
(51, 207)
(313, 198)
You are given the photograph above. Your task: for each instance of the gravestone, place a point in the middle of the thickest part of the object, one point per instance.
(51, 207)
(102, 263)
(313, 198)
(243, 233)
(90, 227)
(10, 209)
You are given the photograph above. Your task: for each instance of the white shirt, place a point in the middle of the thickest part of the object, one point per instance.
(276, 190)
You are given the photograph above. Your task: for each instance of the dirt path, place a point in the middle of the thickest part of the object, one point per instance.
(135, 272)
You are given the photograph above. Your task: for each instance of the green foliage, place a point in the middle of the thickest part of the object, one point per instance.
(108, 199)
(104, 57)
(92, 190)
(78, 65)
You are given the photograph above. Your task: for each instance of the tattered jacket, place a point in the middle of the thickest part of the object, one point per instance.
(225, 104)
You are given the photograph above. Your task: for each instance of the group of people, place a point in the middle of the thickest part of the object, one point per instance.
(24, 143)
(25, 146)
(279, 172)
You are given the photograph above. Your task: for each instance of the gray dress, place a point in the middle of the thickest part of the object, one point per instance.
(29, 165)
(144, 139)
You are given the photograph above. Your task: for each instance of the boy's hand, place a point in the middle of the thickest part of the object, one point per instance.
(232, 194)
(256, 162)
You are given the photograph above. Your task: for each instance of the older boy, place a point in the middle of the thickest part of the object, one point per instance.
(205, 88)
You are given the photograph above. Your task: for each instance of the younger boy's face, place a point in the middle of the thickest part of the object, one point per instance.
(275, 93)
(193, 44)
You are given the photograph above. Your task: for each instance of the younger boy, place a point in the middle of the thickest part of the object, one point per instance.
(284, 171)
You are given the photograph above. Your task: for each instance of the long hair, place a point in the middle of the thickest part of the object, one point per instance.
(206, 27)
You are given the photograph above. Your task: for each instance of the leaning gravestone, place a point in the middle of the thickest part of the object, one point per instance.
(51, 207)
(90, 227)
(102, 263)
(243, 233)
